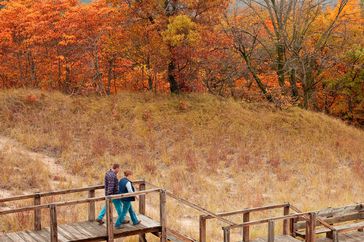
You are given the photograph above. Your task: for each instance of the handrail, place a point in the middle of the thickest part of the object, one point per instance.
(58, 192)
(262, 221)
(79, 201)
(317, 218)
(194, 206)
(247, 210)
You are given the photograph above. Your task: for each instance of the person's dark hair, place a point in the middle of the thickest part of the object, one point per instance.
(128, 173)
(115, 166)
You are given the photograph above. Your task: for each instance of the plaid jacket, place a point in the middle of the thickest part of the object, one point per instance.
(111, 183)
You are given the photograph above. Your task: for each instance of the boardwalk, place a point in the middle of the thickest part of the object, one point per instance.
(83, 231)
(281, 238)
(350, 237)
(344, 224)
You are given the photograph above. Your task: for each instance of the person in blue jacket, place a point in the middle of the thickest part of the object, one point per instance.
(111, 188)
(126, 186)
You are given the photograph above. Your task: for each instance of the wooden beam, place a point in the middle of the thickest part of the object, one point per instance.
(58, 192)
(163, 217)
(37, 212)
(246, 230)
(270, 231)
(53, 223)
(256, 209)
(91, 206)
(142, 207)
(292, 227)
(226, 234)
(109, 220)
(286, 221)
(261, 221)
(202, 228)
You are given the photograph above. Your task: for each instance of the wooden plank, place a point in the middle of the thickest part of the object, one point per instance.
(79, 235)
(334, 212)
(246, 230)
(142, 208)
(270, 231)
(63, 234)
(202, 228)
(53, 223)
(26, 237)
(37, 212)
(109, 220)
(163, 217)
(91, 206)
(175, 236)
(286, 221)
(5, 238)
(15, 237)
(36, 236)
(226, 234)
(44, 234)
(333, 220)
(246, 210)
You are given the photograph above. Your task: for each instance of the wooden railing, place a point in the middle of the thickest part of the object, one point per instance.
(91, 201)
(309, 217)
(38, 206)
(246, 218)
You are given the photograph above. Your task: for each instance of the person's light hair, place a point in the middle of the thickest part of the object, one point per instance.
(128, 173)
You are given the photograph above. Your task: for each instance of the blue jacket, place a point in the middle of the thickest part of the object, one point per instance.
(123, 189)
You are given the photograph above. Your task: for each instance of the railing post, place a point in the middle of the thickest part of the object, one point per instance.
(109, 220)
(313, 226)
(270, 231)
(286, 221)
(142, 208)
(310, 228)
(53, 223)
(226, 234)
(163, 219)
(246, 229)
(37, 212)
(202, 228)
(91, 206)
(335, 236)
(292, 227)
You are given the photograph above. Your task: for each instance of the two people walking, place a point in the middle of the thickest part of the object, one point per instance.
(122, 206)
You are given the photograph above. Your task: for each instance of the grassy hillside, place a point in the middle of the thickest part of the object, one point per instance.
(221, 154)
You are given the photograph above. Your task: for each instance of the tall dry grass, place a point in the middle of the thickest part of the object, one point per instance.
(219, 153)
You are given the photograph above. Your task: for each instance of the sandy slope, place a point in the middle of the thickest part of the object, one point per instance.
(57, 172)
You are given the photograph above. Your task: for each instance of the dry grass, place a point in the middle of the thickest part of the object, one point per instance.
(21, 173)
(221, 154)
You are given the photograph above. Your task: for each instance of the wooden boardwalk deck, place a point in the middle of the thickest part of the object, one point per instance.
(83, 231)
(308, 225)
(349, 237)
(281, 238)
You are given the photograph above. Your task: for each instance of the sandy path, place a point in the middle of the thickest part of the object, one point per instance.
(57, 171)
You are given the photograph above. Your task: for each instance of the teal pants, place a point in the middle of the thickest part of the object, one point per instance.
(127, 207)
(119, 208)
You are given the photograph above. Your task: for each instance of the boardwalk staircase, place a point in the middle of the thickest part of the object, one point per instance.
(296, 225)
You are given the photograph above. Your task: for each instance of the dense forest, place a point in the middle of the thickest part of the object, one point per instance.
(308, 53)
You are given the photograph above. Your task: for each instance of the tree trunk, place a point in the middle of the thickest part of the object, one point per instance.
(32, 67)
(110, 75)
(255, 76)
(171, 77)
(293, 82)
(280, 64)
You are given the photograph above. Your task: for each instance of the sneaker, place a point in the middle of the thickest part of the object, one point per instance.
(126, 222)
(117, 226)
(100, 221)
(138, 222)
